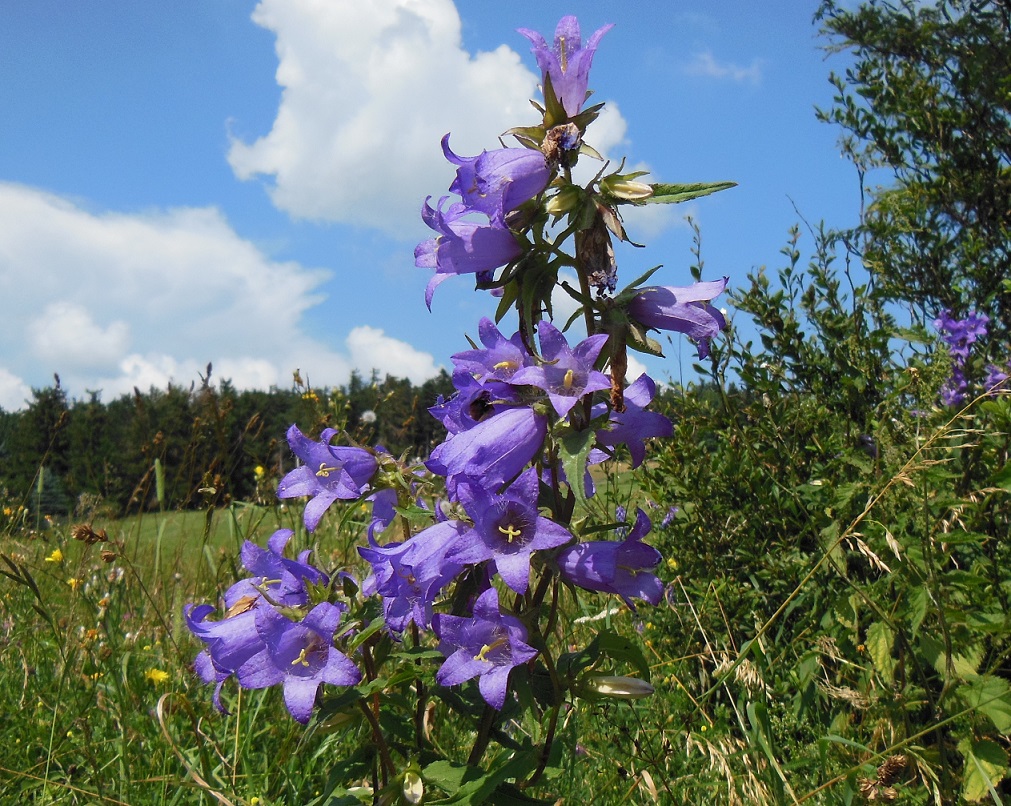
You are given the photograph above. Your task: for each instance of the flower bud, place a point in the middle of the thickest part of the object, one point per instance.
(615, 686)
(566, 200)
(413, 787)
(621, 187)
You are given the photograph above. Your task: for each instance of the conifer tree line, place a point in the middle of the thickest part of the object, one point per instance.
(205, 444)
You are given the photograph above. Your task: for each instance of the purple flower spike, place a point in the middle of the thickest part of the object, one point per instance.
(568, 373)
(487, 646)
(328, 473)
(507, 530)
(684, 309)
(568, 62)
(622, 568)
(496, 182)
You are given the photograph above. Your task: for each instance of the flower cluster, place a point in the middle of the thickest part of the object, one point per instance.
(271, 634)
(472, 565)
(960, 335)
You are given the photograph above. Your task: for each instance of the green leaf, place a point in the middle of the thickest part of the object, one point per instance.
(990, 696)
(620, 648)
(1002, 478)
(916, 610)
(676, 193)
(880, 640)
(985, 767)
(574, 447)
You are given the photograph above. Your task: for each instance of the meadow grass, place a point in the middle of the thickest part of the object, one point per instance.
(98, 670)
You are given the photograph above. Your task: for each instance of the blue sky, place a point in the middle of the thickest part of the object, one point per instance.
(239, 182)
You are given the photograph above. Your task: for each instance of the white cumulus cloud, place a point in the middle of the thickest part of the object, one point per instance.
(65, 332)
(112, 300)
(368, 91)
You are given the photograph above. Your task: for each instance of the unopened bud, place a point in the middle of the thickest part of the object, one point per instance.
(616, 687)
(413, 787)
(566, 200)
(625, 189)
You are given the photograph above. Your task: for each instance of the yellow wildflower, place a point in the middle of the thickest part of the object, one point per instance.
(156, 676)
(55, 557)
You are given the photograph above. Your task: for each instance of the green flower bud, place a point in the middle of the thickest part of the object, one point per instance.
(566, 200)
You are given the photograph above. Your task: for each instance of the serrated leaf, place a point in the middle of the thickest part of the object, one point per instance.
(916, 610)
(990, 696)
(664, 193)
(574, 448)
(985, 767)
(880, 640)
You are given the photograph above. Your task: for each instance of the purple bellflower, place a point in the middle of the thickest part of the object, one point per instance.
(623, 568)
(487, 646)
(462, 246)
(328, 473)
(995, 376)
(961, 334)
(496, 182)
(635, 425)
(684, 309)
(495, 450)
(507, 529)
(233, 640)
(409, 575)
(567, 374)
(298, 655)
(500, 359)
(568, 62)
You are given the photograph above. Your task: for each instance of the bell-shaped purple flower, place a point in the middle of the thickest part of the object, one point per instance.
(408, 576)
(300, 656)
(507, 530)
(233, 640)
(682, 309)
(494, 451)
(462, 246)
(487, 646)
(499, 361)
(496, 182)
(608, 566)
(568, 62)
(567, 373)
(635, 425)
(961, 334)
(328, 473)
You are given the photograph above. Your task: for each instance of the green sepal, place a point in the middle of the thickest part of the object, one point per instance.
(634, 288)
(532, 136)
(554, 112)
(641, 343)
(664, 193)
